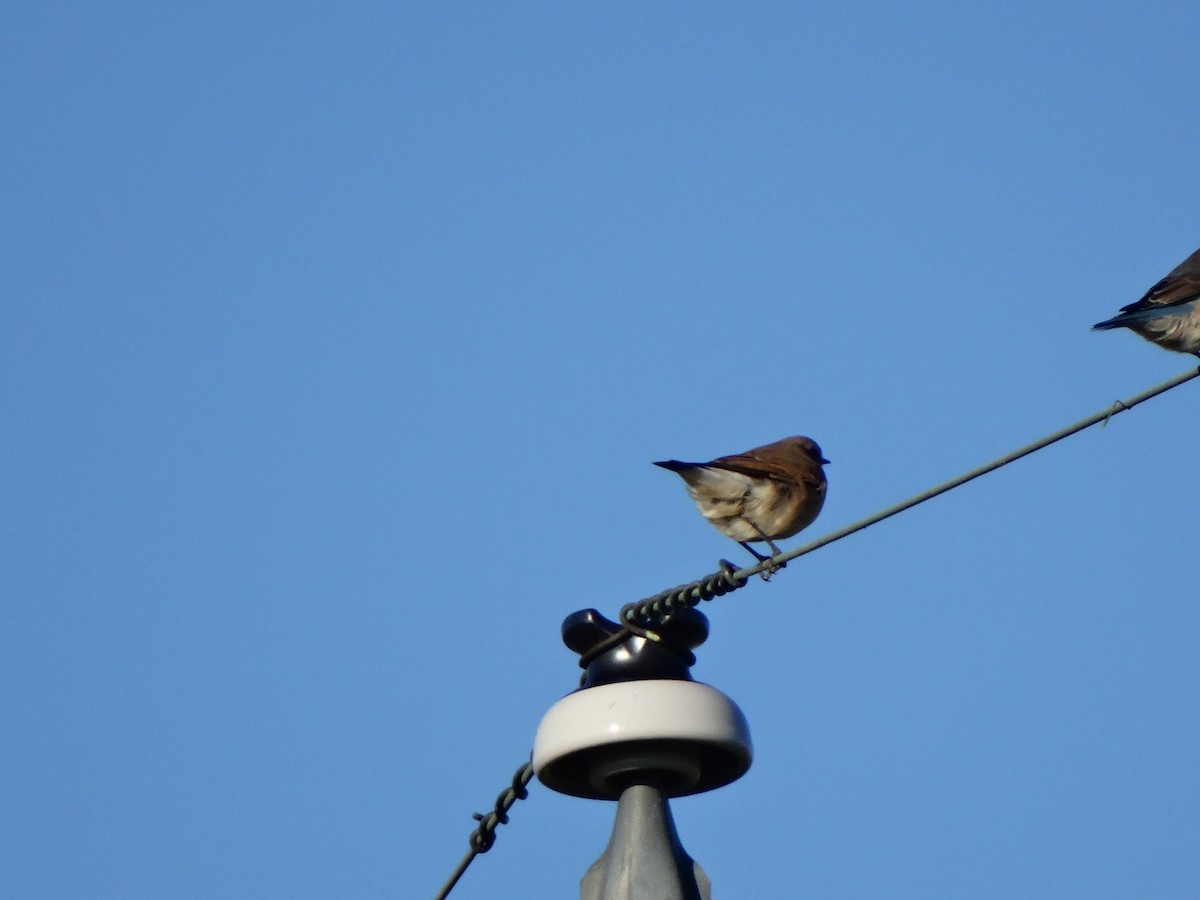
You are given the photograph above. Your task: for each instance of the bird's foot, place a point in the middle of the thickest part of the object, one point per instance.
(772, 567)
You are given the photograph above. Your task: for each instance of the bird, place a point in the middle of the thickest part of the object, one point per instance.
(1169, 313)
(765, 494)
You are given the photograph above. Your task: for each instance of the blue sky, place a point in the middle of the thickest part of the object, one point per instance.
(337, 344)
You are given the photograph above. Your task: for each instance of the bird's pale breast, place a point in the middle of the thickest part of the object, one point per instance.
(1176, 328)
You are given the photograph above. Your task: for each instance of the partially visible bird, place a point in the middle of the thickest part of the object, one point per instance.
(764, 494)
(1169, 313)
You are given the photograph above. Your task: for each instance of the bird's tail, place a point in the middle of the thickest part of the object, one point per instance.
(1114, 322)
(675, 465)
(1135, 313)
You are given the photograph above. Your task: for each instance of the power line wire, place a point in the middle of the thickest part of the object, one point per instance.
(483, 837)
(645, 610)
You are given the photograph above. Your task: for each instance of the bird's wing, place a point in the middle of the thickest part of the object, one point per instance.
(1179, 287)
(747, 464)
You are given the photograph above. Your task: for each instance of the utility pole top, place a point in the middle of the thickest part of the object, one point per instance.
(640, 712)
(640, 731)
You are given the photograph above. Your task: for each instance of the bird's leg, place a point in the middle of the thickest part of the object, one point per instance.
(773, 567)
(754, 552)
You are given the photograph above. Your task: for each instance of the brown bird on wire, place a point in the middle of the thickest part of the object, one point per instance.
(765, 494)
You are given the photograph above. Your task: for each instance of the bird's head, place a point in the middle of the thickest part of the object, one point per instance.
(806, 447)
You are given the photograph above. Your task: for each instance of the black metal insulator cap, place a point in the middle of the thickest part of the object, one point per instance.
(608, 659)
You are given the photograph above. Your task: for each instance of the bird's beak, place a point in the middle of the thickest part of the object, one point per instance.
(824, 461)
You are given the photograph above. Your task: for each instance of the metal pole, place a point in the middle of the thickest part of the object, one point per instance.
(644, 859)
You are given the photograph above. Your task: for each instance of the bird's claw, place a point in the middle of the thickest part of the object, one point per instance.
(771, 569)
